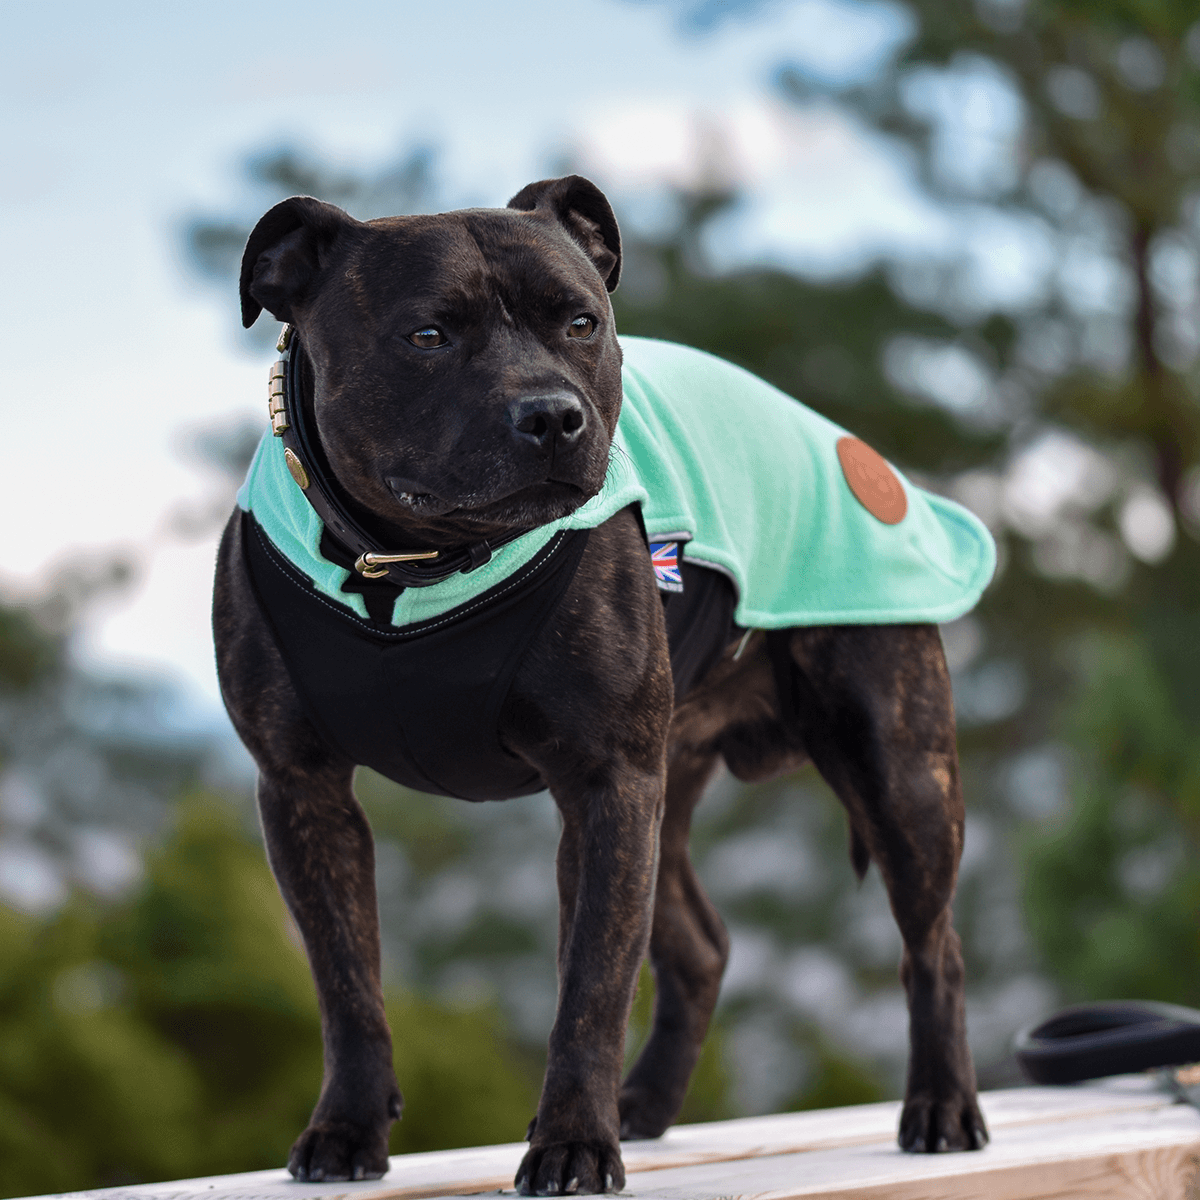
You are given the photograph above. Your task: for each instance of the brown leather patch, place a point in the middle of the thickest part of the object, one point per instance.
(872, 481)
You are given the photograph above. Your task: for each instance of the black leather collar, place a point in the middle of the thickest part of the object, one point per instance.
(404, 568)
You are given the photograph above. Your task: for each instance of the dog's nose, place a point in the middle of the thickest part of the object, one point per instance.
(553, 420)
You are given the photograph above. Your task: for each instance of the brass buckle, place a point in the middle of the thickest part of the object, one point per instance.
(367, 563)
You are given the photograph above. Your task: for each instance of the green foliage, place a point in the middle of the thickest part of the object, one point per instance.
(835, 1078)
(27, 654)
(205, 953)
(1113, 889)
(464, 1082)
(177, 1034)
(91, 1094)
(430, 830)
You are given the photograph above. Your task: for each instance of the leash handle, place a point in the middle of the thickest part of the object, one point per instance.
(1110, 1037)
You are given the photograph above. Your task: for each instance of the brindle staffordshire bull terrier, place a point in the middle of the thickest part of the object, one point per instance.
(461, 379)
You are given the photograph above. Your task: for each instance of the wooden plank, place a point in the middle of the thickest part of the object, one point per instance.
(1138, 1175)
(1065, 1158)
(1120, 1138)
(794, 1133)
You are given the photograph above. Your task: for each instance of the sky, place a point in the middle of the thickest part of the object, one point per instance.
(120, 121)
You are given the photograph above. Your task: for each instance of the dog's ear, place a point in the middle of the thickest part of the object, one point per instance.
(581, 206)
(286, 249)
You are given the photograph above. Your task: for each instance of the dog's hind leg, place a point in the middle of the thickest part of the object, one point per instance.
(875, 710)
(688, 951)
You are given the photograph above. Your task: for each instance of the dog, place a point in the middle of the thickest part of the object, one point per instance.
(447, 407)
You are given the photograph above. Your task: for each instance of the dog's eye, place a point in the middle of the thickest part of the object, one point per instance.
(428, 337)
(582, 327)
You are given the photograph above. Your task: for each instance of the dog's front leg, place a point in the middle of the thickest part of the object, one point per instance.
(322, 853)
(591, 707)
(323, 856)
(606, 869)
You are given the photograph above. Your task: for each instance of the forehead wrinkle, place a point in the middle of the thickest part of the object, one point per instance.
(443, 268)
(541, 260)
(487, 281)
(472, 288)
(399, 269)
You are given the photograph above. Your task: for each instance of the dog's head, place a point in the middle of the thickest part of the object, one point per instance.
(465, 372)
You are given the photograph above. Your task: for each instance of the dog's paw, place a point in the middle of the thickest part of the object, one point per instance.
(332, 1151)
(570, 1168)
(930, 1126)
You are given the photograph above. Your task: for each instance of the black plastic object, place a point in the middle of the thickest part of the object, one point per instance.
(1112, 1037)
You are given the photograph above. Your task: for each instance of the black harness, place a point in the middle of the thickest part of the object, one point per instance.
(420, 703)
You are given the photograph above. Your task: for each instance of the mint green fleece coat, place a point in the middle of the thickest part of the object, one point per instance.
(748, 477)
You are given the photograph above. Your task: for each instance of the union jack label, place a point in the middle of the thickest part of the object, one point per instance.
(664, 558)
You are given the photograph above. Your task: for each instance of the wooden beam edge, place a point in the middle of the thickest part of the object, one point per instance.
(1169, 1172)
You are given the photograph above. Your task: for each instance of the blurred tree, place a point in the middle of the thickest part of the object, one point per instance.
(1114, 889)
(1100, 604)
(177, 1034)
(87, 763)
(157, 1018)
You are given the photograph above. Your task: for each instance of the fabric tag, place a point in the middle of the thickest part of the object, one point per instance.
(664, 557)
(872, 481)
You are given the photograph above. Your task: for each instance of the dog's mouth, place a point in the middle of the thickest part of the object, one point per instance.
(423, 502)
(415, 500)
(546, 500)
(534, 504)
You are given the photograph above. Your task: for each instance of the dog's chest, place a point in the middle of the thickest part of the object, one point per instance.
(420, 703)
